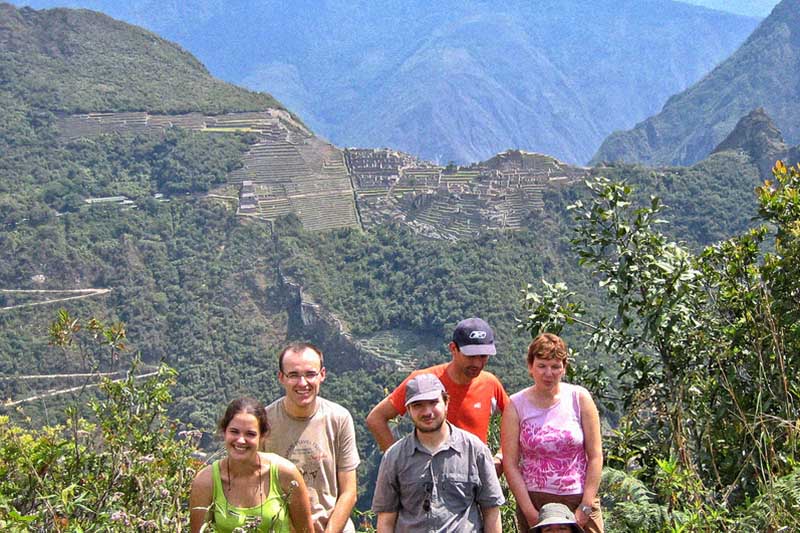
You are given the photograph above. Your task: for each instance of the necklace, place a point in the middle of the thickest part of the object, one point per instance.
(228, 511)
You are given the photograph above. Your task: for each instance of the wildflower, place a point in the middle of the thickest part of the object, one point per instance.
(121, 516)
(147, 525)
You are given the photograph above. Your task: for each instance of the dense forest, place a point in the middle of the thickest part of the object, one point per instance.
(199, 298)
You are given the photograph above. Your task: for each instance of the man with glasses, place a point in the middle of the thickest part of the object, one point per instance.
(317, 435)
(439, 477)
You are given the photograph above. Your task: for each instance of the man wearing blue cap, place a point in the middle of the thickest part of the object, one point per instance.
(439, 477)
(475, 394)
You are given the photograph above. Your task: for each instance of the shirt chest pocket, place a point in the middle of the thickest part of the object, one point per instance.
(454, 487)
(415, 488)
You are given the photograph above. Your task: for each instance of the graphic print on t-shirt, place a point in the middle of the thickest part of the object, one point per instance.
(308, 456)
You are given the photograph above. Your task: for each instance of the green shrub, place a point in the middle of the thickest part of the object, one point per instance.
(127, 467)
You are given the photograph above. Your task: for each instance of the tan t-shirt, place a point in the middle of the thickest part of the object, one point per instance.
(320, 446)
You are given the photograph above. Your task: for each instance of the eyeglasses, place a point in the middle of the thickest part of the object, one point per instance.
(294, 377)
(426, 505)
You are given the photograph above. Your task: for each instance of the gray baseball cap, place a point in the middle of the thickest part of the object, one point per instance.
(423, 387)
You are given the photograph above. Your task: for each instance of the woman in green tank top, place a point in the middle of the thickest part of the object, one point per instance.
(257, 491)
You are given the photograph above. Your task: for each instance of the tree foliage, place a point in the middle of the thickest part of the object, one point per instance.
(708, 350)
(124, 468)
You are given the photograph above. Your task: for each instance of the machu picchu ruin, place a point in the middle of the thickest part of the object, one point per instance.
(455, 201)
(290, 170)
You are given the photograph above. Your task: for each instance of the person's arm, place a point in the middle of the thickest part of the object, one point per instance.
(491, 519)
(378, 423)
(592, 444)
(296, 492)
(509, 444)
(502, 400)
(502, 397)
(386, 497)
(200, 499)
(386, 522)
(345, 501)
(489, 495)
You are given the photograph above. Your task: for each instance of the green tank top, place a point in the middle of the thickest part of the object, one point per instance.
(273, 512)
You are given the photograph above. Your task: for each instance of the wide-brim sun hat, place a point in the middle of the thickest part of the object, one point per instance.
(556, 514)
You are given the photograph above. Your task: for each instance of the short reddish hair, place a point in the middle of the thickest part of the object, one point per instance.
(547, 346)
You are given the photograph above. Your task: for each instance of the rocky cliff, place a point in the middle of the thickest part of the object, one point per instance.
(757, 136)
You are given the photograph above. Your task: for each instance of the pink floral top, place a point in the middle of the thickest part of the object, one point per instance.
(552, 456)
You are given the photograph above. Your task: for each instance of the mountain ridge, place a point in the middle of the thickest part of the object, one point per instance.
(757, 135)
(552, 77)
(761, 73)
(73, 63)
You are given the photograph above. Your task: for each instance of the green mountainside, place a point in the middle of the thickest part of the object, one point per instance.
(763, 72)
(75, 61)
(215, 294)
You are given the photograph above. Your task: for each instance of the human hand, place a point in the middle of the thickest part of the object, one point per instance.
(498, 464)
(582, 514)
(532, 518)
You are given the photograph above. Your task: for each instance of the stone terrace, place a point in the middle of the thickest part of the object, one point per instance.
(286, 170)
(271, 123)
(376, 171)
(454, 202)
(302, 175)
(398, 349)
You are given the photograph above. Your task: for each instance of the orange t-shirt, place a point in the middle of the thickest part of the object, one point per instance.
(470, 406)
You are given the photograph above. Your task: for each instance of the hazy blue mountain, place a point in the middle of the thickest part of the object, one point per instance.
(750, 8)
(763, 72)
(452, 79)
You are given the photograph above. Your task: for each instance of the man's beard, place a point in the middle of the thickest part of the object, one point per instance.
(430, 429)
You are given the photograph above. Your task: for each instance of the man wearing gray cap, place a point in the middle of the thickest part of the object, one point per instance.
(475, 394)
(439, 477)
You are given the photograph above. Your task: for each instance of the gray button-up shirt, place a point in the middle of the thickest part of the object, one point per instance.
(440, 492)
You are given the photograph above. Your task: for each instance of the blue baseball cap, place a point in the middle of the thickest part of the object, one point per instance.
(473, 336)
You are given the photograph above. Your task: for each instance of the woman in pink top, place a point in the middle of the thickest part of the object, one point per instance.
(550, 436)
